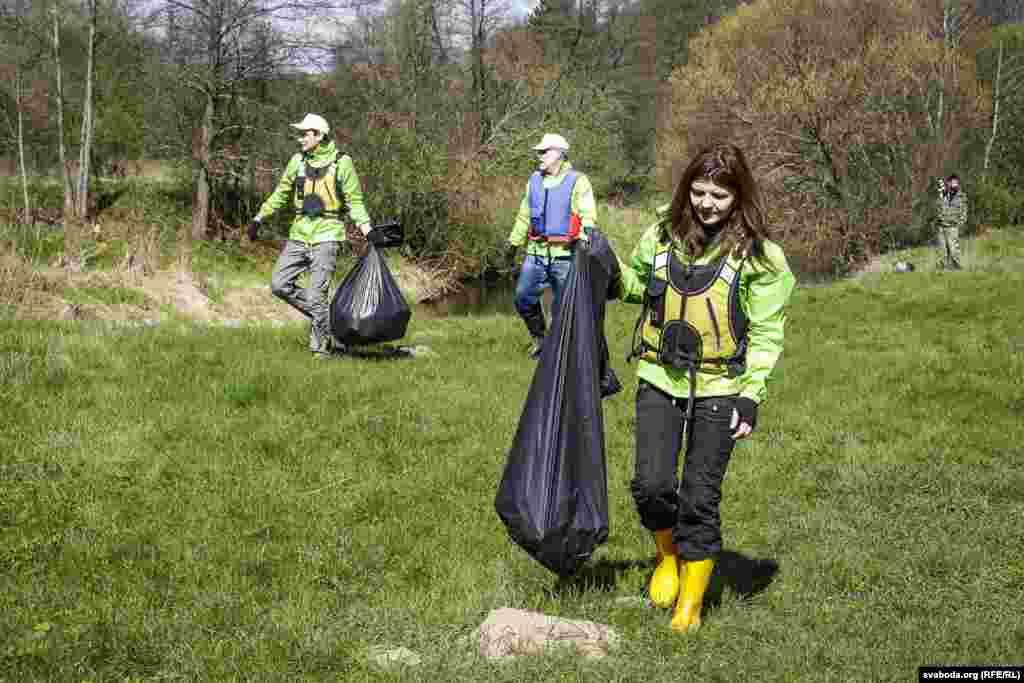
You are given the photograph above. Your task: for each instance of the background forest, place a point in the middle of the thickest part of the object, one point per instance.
(848, 108)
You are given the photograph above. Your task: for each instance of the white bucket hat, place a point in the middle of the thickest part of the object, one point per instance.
(313, 122)
(552, 141)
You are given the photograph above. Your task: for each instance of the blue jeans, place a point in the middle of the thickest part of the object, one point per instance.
(538, 273)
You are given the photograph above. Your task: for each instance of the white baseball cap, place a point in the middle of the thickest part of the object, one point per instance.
(313, 122)
(552, 141)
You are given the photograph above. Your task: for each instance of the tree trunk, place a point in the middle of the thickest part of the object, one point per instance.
(72, 226)
(478, 43)
(995, 111)
(201, 205)
(69, 192)
(85, 151)
(19, 98)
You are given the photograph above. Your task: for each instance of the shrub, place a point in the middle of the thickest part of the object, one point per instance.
(995, 204)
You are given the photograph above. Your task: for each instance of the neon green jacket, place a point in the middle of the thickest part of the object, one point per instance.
(322, 229)
(765, 288)
(582, 203)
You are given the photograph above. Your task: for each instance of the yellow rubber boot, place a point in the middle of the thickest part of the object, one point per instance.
(695, 581)
(664, 587)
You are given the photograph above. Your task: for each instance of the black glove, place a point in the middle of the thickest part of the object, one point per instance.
(510, 254)
(377, 238)
(747, 408)
(615, 289)
(254, 230)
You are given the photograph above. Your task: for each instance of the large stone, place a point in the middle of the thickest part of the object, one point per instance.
(510, 632)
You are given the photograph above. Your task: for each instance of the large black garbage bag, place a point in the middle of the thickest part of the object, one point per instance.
(553, 495)
(368, 306)
(387, 234)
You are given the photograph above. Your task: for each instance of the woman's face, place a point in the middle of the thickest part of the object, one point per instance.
(711, 202)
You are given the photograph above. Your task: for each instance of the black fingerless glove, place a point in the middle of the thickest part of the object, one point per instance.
(615, 289)
(747, 409)
(377, 238)
(254, 230)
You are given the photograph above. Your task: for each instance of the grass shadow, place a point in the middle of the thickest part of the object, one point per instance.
(744, 576)
(601, 576)
(104, 200)
(380, 352)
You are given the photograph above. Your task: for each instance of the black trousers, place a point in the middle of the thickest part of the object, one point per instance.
(689, 509)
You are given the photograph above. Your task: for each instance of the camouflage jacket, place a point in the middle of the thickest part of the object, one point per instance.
(952, 213)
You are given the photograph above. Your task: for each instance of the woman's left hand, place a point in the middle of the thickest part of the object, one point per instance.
(742, 429)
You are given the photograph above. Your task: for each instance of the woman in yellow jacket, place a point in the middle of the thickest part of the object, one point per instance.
(714, 291)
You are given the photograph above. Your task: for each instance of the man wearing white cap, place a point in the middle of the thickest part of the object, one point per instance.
(557, 210)
(322, 187)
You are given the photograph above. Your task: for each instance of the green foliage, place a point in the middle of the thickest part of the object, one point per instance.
(403, 177)
(1011, 38)
(38, 244)
(995, 204)
(42, 192)
(1007, 152)
(111, 296)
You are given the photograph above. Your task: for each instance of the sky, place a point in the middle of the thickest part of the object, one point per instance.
(522, 7)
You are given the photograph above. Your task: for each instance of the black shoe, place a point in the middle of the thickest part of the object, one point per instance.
(334, 350)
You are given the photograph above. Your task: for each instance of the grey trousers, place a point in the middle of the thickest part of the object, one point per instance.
(319, 260)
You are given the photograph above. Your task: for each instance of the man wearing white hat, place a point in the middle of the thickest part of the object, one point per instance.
(557, 210)
(322, 187)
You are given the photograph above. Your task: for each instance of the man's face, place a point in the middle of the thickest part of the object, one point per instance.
(712, 202)
(954, 186)
(549, 160)
(310, 139)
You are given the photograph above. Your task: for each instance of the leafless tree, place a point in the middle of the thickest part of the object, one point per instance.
(65, 171)
(1007, 84)
(222, 44)
(21, 31)
(474, 24)
(88, 123)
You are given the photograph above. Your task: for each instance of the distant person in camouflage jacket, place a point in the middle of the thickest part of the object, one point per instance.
(952, 215)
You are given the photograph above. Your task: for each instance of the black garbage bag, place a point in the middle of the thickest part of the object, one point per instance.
(368, 306)
(553, 495)
(387, 234)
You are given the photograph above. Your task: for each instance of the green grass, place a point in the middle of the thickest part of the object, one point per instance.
(111, 296)
(191, 503)
(38, 244)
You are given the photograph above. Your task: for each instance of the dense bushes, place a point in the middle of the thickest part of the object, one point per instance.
(995, 204)
(848, 110)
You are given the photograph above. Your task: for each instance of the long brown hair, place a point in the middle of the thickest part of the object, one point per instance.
(745, 228)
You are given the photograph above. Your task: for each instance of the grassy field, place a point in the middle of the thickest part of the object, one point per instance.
(197, 503)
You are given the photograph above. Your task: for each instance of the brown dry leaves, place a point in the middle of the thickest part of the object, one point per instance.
(781, 77)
